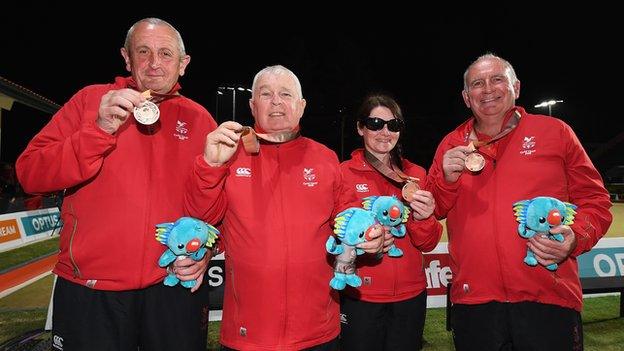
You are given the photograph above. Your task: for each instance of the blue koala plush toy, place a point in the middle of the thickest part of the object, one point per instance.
(539, 215)
(391, 213)
(352, 226)
(187, 237)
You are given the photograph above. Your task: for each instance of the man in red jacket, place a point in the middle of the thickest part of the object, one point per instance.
(277, 205)
(499, 302)
(121, 179)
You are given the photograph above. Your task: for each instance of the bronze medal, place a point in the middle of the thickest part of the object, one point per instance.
(147, 113)
(408, 190)
(250, 140)
(395, 173)
(474, 162)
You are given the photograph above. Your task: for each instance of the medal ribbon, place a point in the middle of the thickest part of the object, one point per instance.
(157, 98)
(512, 123)
(251, 141)
(393, 173)
(154, 96)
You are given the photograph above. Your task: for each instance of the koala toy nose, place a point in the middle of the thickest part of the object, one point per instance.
(193, 245)
(395, 212)
(554, 217)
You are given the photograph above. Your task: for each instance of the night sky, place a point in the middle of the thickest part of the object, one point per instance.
(570, 54)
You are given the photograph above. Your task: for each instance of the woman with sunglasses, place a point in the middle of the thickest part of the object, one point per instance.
(387, 312)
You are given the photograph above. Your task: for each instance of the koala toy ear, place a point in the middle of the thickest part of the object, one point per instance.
(162, 232)
(569, 213)
(213, 234)
(520, 210)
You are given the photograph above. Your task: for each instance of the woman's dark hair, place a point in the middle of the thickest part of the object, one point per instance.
(378, 99)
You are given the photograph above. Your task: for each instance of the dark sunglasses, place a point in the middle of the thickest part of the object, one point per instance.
(375, 124)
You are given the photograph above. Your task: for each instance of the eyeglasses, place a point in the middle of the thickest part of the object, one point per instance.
(376, 123)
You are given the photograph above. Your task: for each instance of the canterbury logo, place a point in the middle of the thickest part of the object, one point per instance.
(243, 172)
(361, 188)
(57, 342)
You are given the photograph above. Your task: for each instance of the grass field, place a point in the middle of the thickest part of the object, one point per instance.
(25, 309)
(617, 227)
(28, 252)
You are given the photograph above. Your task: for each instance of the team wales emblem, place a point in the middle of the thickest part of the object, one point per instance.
(309, 178)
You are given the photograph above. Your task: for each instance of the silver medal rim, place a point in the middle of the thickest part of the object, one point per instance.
(149, 117)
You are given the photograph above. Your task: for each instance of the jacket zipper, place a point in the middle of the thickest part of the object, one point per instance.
(286, 247)
(496, 233)
(234, 293)
(75, 268)
(148, 198)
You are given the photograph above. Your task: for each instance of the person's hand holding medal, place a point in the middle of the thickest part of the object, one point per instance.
(454, 162)
(147, 112)
(421, 202)
(115, 108)
(222, 143)
(456, 159)
(474, 161)
(410, 188)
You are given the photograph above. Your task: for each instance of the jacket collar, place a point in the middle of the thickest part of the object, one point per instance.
(128, 82)
(461, 134)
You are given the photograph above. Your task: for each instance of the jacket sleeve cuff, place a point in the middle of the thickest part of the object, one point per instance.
(209, 174)
(425, 224)
(446, 186)
(91, 128)
(585, 233)
(424, 234)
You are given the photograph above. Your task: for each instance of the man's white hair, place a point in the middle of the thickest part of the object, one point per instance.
(277, 70)
(508, 68)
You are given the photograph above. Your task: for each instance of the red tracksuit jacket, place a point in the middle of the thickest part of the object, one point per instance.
(541, 157)
(389, 279)
(276, 208)
(118, 186)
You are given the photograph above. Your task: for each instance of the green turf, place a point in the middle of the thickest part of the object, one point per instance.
(435, 336)
(25, 253)
(213, 335)
(25, 309)
(617, 226)
(603, 328)
(36, 295)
